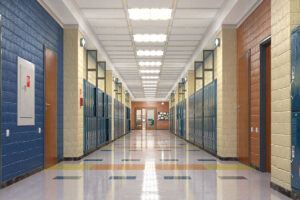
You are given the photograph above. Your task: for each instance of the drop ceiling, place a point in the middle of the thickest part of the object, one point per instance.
(187, 29)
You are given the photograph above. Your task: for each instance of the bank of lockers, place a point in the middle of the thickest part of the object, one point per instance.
(199, 118)
(97, 117)
(210, 113)
(172, 119)
(191, 119)
(203, 117)
(127, 120)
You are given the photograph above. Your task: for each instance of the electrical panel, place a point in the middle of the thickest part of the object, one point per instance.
(26, 93)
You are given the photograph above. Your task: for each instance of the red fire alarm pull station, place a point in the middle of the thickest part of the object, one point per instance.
(81, 101)
(28, 81)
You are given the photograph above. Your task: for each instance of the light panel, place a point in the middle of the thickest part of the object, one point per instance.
(150, 14)
(150, 77)
(149, 86)
(149, 82)
(149, 71)
(150, 53)
(150, 37)
(149, 64)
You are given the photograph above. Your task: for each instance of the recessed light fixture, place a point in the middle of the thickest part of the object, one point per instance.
(150, 71)
(150, 77)
(150, 14)
(150, 37)
(150, 53)
(149, 86)
(149, 82)
(152, 64)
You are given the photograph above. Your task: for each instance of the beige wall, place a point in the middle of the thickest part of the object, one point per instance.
(73, 91)
(225, 64)
(285, 15)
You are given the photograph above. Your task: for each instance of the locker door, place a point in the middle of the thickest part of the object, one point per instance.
(296, 150)
(295, 86)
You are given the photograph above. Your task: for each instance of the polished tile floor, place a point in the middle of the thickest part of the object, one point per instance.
(147, 165)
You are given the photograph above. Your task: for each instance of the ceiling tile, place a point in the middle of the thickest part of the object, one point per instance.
(100, 4)
(200, 3)
(104, 13)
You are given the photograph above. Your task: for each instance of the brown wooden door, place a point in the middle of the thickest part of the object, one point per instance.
(151, 119)
(243, 108)
(50, 108)
(138, 119)
(268, 107)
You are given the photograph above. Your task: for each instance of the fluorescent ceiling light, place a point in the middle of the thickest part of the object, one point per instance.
(147, 82)
(150, 77)
(150, 37)
(152, 64)
(149, 14)
(149, 86)
(150, 53)
(150, 71)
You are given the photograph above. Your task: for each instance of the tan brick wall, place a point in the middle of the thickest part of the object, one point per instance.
(285, 15)
(73, 82)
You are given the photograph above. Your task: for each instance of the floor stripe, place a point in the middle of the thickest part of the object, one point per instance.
(207, 159)
(233, 177)
(87, 160)
(177, 177)
(67, 177)
(128, 160)
(122, 177)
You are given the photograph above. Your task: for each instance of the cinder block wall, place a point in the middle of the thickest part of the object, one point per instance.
(226, 93)
(285, 15)
(74, 59)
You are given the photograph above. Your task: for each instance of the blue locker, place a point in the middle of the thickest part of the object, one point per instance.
(295, 103)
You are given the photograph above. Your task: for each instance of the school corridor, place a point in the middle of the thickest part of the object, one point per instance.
(149, 99)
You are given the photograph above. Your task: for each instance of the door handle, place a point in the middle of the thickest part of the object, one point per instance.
(47, 104)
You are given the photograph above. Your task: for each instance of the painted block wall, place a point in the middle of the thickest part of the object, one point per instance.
(285, 16)
(74, 66)
(26, 29)
(225, 62)
(249, 35)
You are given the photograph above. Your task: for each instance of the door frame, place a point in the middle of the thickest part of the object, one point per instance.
(262, 110)
(248, 52)
(46, 47)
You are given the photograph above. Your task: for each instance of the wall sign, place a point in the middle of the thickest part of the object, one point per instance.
(163, 116)
(26, 93)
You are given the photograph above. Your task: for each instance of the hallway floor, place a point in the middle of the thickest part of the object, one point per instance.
(147, 165)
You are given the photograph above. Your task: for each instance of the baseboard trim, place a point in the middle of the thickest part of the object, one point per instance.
(21, 177)
(280, 189)
(227, 158)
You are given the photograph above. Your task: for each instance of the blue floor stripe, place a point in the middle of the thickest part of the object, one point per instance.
(177, 178)
(207, 159)
(87, 160)
(67, 177)
(122, 177)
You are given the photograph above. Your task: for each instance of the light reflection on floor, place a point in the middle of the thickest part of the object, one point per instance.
(159, 166)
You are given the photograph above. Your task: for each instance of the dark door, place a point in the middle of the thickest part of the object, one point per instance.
(268, 107)
(50, 108)
(243, 107)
